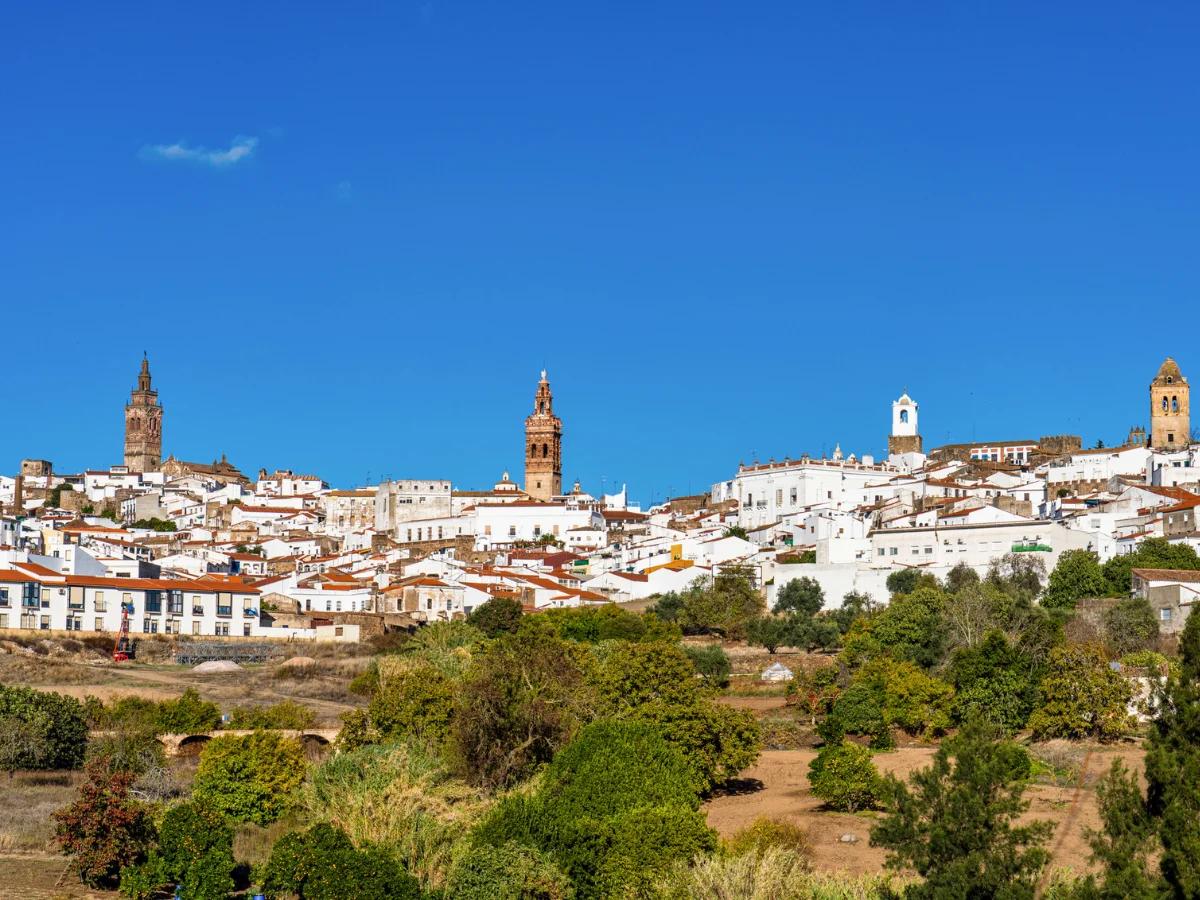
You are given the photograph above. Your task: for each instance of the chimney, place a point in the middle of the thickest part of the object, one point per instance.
(18, 495)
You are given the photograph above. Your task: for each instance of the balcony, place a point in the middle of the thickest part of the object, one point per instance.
(197, 610)
(224, 610)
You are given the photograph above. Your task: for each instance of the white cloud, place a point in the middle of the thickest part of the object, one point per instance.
(240, 148)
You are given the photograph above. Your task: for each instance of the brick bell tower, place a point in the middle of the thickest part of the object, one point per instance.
(543, 446)
(143, 425)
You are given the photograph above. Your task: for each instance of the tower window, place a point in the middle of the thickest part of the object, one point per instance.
(904, 416)
(542, 406)
(1164, 404)
(1170, 378)
(545, 450)
(1174, 404)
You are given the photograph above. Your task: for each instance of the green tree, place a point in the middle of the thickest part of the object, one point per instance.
(813, 692)
(1020, 575)
(508, 872)
(960, 577)
(736, 531)
(956, 826)
(522, 700)
(1130, 626)
(902, 581)
(994, 681)
(187, 715)
(668, 607)
(1122, 848)
(908, 698)
(195, 850)
(711, 663)
(722, 604)
(855, 605)
(1151, 553)
(771, 632)
(813, 632)
(500, 615)
(323, 864)
(844, 776)
(801, 595)
(23, 744)
(417, 701)
(104, 830)
(913, 626)
(1077, 575)
(614, 809)
(62, 731)
(250, 777)
(1081, 696)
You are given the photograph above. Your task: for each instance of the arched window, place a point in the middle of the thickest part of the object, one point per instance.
(545, 450)
(904, 416)
(542, 406)
(1174, 404)
(1170, 379)
(1164, 404)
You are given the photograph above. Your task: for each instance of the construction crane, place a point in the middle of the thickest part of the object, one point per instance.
(123, 648)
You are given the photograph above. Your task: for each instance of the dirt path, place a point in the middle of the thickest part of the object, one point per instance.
(778, 787)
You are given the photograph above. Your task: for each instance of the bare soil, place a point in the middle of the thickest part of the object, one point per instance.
(778, 788)
(37, 878)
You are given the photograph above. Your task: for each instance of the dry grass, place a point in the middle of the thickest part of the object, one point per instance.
(25, 668)
(25, 807)
(252, 844)
(774, 874)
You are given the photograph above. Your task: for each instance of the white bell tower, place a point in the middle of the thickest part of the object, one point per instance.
(905, 437)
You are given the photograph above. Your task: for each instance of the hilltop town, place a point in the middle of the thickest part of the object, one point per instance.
(204, 549)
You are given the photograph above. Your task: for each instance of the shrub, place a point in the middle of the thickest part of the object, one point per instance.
(58, 739)
(614, 807)
(1077, 575)
(104, 830)
(994, 681)
(500, 615)
(366, 682)
(765, 834)
(913, 627)
(771, 632)
(187, 715)
(858, 711)
(1081, 696)
(716, 741)
(907, 697)
(633, 674)
(195, 850)
(1143, 659)
(508, 872)
(814, 693)
(395, 796)
(594, 624)
(414, 700)
(249, 778)
(521, 701)
(801, 595)
(722, 604)
(288, 715)
(955, 827)
(711, 663)
(448, 646)
(356, 731)
(844, 776)
(775, 874)
(323, 864)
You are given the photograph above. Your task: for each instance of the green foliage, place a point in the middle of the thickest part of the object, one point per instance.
(187, 715)
(1020, 575)
(521, 700)
(414, 700)
(1151, 553)
(844, 776)
(771, 632)
(155, 524)
(195, 850)
(801, 595)
(509, 872)
(855, 605)
(902, 581)
(52, 730)
(722, 604)
(813, 693)
(104, 830)
(288, 715)
(500, 615)
(1130, 626)
(356, 731)
(594, 624)
(956, 825)
(250, 778)
(913, 627)
(366, 682)
(774, 874)
(1143, 659)
(736, 531)
(1122, 849)
(1081, 696)
(667, 607)
(614, 808)
(54, 495)
(764, 834)
(858, 711)
(1077, 575)
(711, 663)
(656, 683)
(907, 698)
(399, 797)
(813, 632)
(994, 681)
(448, 646)
(960, 577)
(323, 864)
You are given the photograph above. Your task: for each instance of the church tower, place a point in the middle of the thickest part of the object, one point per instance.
(1170, 423)
(904, 437)
(143, 425)
(543, 446)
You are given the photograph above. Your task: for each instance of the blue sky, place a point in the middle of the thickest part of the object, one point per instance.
(351, 235)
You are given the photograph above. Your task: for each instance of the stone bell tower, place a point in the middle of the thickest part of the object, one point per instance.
(143, 425)
(1170, 420)
(543, 446)
(905, 438)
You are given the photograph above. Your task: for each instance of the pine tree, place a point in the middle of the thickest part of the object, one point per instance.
(955, 827)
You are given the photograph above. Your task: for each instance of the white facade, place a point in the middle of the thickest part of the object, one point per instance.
(904, 416)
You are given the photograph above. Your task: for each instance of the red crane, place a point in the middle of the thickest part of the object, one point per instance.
(123, 648)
